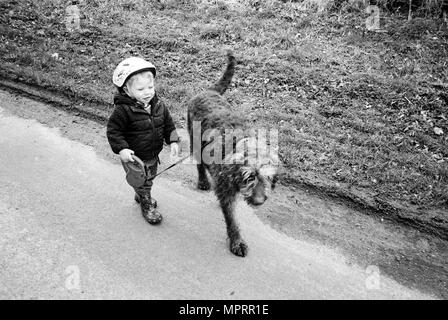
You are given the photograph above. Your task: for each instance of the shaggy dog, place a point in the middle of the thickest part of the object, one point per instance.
(240, 171)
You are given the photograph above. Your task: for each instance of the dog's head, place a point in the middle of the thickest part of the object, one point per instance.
(259, 174)
(257, 181)
(258, 170)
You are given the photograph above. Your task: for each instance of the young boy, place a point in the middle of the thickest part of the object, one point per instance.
(139, 124)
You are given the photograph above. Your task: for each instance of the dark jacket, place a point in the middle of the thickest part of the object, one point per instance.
(131, 127)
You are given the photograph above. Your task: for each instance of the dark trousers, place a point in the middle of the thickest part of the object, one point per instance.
(151, 170)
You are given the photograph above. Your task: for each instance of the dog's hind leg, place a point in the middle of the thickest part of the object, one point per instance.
(203, 182)
(237, 244)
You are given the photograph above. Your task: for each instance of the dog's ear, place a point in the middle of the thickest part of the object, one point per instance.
(247, 172)
(248, 180)
(249, 177)
(274, 181)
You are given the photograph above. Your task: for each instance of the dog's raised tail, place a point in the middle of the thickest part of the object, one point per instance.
(223, 83)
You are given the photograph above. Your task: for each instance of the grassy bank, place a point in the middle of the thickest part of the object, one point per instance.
(358, 111)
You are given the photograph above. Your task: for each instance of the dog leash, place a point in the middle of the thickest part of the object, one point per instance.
(175, 163)
(169, 167)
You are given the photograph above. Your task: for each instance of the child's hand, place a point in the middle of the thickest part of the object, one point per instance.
(126, 155)
(174, 151)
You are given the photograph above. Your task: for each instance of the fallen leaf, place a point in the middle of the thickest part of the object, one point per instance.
(438, 131)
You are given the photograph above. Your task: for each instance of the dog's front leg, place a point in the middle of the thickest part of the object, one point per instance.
(237, 244)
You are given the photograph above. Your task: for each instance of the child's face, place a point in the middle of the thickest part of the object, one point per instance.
(141, 87)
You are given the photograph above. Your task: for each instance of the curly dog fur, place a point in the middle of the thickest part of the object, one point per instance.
(251, 180)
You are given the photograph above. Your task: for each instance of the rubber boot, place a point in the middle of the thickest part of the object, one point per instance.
(149, 212)
(153, 201)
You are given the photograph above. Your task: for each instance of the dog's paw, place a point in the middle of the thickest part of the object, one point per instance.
(204, 185)
(239, 248)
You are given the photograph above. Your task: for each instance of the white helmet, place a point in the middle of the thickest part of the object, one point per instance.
(130, 66)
